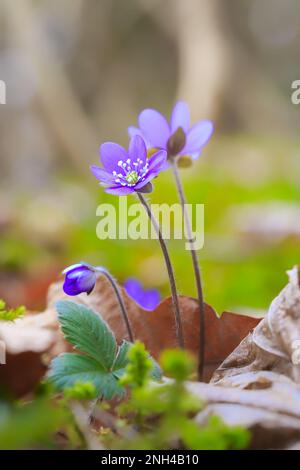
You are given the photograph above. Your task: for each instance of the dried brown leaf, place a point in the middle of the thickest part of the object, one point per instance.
(157, 329)
(40, 333)
(271, 413)
(272, 346)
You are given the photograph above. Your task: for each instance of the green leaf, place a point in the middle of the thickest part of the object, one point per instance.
(156, 372)
(103, 363)
(112, 387)
(71, 368)
(87, 332)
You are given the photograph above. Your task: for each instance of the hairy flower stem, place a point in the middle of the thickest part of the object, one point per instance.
(179, 331)
(117, 291)
(201, 362)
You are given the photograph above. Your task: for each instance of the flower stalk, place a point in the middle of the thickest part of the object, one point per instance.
(178, 323)
(120, 299)
(187, 222)
(82, 277)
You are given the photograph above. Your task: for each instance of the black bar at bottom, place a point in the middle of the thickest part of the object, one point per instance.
(132, 459)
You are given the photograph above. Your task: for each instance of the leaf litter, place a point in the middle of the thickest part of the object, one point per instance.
(253, 363)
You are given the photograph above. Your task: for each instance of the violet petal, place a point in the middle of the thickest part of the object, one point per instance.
(75, 267)
(147, 299)
(154, 127)
(148, 178)
(132, 131)
(180, 117)
(120, 190)
(79, 278)
(102, 175)
(197, 137)
(151, 299)
(137, 149)
(157, 161)
(111, 154)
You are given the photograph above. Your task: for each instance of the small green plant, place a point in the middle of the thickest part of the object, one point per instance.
(101, 362)
(139, 367)
(11, 314)
(154, 414)
(24, 425)
(161, 416)
(81, 391)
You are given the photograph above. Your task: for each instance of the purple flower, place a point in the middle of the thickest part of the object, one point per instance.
(126, 172)
(147, 299)
(176, 134)
(79, 278)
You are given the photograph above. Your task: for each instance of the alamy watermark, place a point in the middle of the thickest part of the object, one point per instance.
(295, 96)
(2, 92)
(131, 222)
(2, 352)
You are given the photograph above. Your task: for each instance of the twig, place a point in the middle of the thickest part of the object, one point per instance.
(179, 331)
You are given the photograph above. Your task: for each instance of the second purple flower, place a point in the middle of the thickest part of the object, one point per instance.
(158, 132)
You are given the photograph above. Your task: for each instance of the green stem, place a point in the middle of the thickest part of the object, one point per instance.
(179, 331)
(119, 296)
(201, 362)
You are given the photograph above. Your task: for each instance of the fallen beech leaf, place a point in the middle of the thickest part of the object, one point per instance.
(254, 387)
(273, 344)
(157, 329)
(27, 334)
(272, 414)
(40, 334)
(26, 340)
(260, 378)
(22, 372)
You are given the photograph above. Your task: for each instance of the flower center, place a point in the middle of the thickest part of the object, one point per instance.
(132, 177)
(131, 172)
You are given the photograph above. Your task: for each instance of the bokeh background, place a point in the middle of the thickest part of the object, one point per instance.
(79, 72)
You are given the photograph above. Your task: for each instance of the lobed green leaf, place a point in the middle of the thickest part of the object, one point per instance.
(88, 332)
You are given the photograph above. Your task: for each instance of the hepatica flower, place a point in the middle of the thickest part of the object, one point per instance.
(147, 299)
(82, 277)
(125, 172)
(177, 137)
(79, 278)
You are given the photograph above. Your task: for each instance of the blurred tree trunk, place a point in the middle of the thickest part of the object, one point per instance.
(196, 29)
(68, 121)
(204, 59)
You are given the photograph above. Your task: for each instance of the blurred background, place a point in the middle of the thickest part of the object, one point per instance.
(79, 72)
